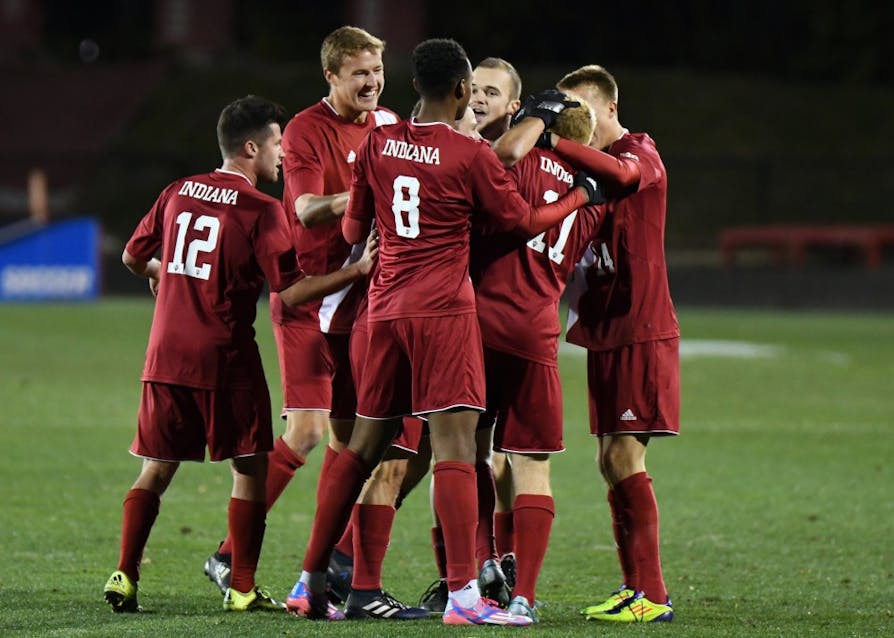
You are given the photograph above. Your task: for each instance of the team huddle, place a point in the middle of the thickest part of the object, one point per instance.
(415, 270)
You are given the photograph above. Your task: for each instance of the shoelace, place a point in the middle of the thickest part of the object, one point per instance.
(391, 600)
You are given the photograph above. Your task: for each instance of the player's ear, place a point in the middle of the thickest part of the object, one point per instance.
(416, 86)
(251, 148)
(514, 106)
(462, 88)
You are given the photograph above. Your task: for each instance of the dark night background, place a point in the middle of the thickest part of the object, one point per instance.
(764, 112)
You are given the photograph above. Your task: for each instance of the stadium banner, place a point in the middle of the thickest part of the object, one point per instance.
(59, 261)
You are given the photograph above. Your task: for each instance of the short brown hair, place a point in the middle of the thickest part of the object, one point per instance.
(248, 118)
(345, 41)
(591, 75)
(515, 83)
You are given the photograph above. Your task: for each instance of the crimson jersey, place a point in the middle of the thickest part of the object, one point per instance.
(422, 182)
(219, 238)
(620, 293)
(520, 283)
(320, 148)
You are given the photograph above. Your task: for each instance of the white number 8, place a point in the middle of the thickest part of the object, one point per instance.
(410, 206)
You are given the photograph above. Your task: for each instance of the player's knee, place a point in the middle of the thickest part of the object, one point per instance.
(304, 431)
(156, 476)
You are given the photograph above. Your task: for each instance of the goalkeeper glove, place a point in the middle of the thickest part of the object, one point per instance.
(545, 105)
(594, 191)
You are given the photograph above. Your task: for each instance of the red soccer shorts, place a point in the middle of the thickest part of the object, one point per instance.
(526, 398)
(418, 365)
(315, 370)
(411, 432)
(635, 389)
(175, 423)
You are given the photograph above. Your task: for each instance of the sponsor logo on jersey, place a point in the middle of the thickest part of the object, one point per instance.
(556, 170)
(351, 157)
(412, 152)
(206, 193)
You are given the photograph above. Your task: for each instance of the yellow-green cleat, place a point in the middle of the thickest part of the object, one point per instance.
(257, 599)
(618, 596)
(121, 593)
(636, 608)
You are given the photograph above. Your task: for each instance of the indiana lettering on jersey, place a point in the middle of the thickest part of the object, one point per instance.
(207, 193)
(412, 152)
(555, 169)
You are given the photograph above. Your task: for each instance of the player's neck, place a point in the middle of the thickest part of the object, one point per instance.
(431, 111)
(494, 130)
(346, 111)
(234, 165)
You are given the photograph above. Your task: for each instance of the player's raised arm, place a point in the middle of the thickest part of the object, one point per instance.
(617, 171)
(538, 113)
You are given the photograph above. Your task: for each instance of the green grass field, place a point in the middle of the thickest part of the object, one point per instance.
(777, 501)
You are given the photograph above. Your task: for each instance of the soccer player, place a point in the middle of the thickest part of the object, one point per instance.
(519, 287)
(320, 145)
(203, 382)
(496, 87)
(621, 311)
(421, 180)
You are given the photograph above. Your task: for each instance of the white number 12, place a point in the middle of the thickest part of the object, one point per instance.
(177, 266)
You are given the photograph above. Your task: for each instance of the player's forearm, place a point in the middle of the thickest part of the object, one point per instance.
(546, 216)
(314, 210)
(518, 141)
(623, 173)
(149, 269)
(317, 287)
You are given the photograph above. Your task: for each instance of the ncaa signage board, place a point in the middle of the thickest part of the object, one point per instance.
(55, 262)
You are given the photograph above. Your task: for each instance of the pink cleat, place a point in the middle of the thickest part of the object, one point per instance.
(302, 602)
(485, 612)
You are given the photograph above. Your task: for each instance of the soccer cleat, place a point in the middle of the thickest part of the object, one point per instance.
(375, 603)
(485, 612)
(339, 575)
(257, 599)
(507, 564)
(217, 569)
(519, 606)
(492, 583)
(637, 608)
(121, 593)
(618, 596)
(435, 597)
(302, 602)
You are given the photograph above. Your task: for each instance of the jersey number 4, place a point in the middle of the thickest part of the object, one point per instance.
(555, 252)
(189, 268)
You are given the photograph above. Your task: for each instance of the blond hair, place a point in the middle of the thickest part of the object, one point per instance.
(577, 123)
(591, 75)
(346, 41)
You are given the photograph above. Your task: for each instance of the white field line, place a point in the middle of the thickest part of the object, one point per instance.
(691, 348)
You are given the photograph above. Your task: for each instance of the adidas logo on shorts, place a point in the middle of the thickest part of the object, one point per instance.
(628, 416)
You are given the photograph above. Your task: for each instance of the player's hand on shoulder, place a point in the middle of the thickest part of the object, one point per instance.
(545, 140)
(589, 183)
(545, 105)
(370, 252)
